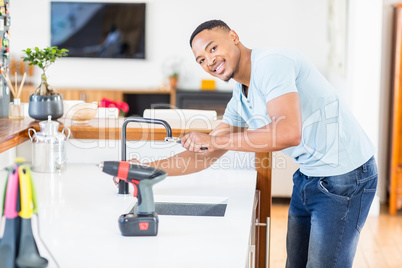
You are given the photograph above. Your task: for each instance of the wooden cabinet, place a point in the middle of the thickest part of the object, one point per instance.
(395, 187)
(88, 95)
(137, 99)
(93, 94)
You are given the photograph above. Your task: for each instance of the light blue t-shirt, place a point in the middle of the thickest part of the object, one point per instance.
(332, 143)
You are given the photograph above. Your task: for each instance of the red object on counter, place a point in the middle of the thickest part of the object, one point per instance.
(108, 103)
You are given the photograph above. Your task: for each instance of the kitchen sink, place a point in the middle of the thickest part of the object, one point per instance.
(188, 209)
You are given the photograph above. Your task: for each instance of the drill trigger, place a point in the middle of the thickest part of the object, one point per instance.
(135, 184)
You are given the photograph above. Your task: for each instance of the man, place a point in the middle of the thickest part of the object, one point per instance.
(285, 104)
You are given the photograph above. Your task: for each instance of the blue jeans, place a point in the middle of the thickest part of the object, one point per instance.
(326, 215)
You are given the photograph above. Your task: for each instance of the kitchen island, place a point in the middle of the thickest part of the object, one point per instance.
(79, 209)
(99, 132)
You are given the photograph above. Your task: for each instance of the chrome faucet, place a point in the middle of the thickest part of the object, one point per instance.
(123, 186)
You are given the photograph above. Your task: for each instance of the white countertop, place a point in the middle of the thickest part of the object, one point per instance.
(79, 209)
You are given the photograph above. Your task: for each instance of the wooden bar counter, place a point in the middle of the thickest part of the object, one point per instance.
(15, 132)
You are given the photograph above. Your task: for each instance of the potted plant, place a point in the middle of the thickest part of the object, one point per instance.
(173, 78)
(172, 69)
(45, 101)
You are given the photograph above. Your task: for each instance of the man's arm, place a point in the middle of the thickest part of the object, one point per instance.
(190, 162)
(284, 131)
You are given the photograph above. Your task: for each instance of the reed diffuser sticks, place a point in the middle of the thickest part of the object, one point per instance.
(16, 92)
(16, 108)
(22, 84)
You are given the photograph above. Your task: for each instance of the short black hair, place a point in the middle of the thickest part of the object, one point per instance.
(208, 25)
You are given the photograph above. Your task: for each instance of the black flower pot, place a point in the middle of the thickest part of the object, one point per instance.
(40, 107)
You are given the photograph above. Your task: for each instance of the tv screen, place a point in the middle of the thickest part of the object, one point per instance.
(99, 30)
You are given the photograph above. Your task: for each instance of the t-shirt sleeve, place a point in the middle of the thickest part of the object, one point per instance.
(278, 76)
(232, 116)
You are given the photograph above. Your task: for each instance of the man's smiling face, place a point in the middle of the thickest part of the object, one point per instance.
(216, 51)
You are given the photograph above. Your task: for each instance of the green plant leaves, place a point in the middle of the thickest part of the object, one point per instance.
(43, 58)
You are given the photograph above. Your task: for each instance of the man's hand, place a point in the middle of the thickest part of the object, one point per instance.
(194, 141)
(117, 180)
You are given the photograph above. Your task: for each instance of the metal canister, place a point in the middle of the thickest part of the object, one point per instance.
(48, 147)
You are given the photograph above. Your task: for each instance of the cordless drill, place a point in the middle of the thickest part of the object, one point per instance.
(144, 221)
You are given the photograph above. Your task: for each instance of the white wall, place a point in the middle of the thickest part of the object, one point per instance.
(290, 23)
(361, 86)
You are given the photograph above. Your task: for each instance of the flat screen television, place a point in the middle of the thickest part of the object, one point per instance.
(99, 30)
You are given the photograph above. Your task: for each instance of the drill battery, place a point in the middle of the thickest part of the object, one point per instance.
(131, 224)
